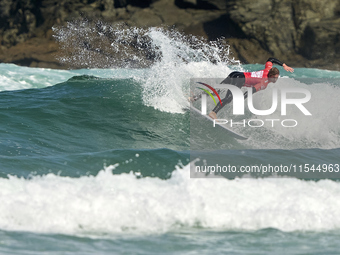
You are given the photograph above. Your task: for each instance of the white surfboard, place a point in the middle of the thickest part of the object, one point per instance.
(224, 126)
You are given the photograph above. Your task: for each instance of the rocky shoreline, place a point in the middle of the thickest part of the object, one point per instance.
(303, 33)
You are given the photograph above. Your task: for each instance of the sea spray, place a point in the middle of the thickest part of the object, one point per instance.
(92, 44)
(173, 57)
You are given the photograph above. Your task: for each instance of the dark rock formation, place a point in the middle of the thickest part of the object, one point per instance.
(299, 32)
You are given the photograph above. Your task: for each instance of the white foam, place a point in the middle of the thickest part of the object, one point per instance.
(320, 130)
(113, 204)
(14, 77)
(166, 85)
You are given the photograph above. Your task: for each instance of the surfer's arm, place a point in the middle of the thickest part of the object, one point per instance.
(278, 62)
(194, 98)
(275, 61)
(260, 86)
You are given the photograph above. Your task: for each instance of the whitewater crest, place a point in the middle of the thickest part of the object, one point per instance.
(172, 58)
(109, 204)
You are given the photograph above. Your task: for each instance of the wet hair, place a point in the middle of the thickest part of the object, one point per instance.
(273, 72)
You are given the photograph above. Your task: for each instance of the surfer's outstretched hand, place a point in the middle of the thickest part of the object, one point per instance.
(287, 68)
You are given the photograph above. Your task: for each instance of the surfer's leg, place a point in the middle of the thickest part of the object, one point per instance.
(228, 98)
(235, 78)
(228, 79)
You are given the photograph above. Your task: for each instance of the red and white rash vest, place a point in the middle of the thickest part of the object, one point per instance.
(259, 79)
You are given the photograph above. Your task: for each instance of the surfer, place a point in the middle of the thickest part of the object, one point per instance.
(258, 80)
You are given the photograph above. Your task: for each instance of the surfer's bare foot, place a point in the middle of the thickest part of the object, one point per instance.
(213, 115)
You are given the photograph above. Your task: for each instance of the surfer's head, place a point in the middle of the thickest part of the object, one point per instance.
(273, 74)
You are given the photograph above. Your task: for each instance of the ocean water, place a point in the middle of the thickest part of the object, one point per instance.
(97, 161)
